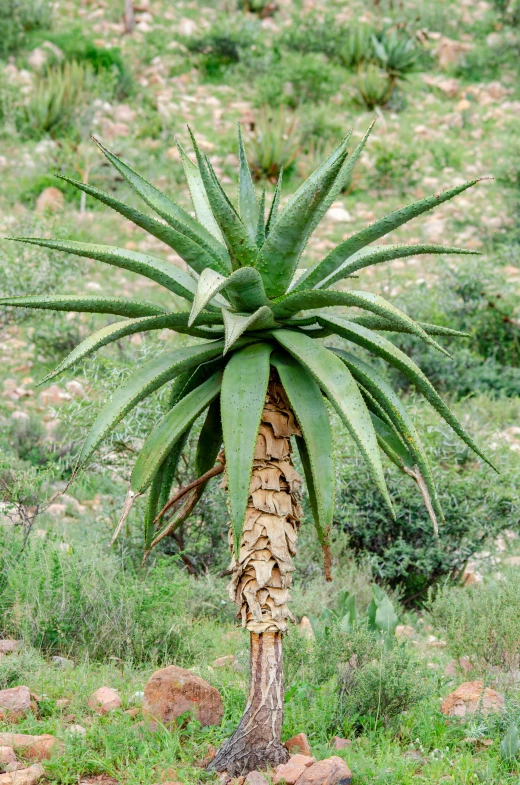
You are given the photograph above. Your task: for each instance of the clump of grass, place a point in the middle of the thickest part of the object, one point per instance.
(58, 99)
(482, 622)
(275, 143)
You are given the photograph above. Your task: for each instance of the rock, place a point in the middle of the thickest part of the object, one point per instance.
(50, 200)
(31, 747)
(299, 743)
(23, 776)
(54, 396)
(305, 628)
(225, 662)
(77, 730)
(338, 214)
(124, 113)
(15, 703)
(172, 691)
(62, 703)
(7, 755)
(291, 771)
(134, 712)
(105, 699)
(255, 778)
(471, 697)
(76, 389)
(404, 631)
(450, 52)
(340, 744)
(332, 771)
(187, 27)
(8, 646)
(63, 662)
(37, 59)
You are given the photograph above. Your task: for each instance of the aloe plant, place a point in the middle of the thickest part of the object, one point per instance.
(260, 376)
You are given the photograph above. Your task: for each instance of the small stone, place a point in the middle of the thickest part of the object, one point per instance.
(339, 214)
(30, 747)
(50, 200)
(15, 703)
(255, 778)
(8, 646)
(134, 712)
(62, 703)
(172, 691)
(332, 771)
(76, 389)
(404, 631)
(298, 743)
(225, 662)
(105, 699)
(7, 755)
(37, 59)
(305, 628)
(471, 697)
(23, 776)
(63, 662)
(340, 744)
(291, 771)
(77, 730)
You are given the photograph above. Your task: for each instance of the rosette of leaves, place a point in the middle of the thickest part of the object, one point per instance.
(262, 323)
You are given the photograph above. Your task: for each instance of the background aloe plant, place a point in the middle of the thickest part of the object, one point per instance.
(261, 376)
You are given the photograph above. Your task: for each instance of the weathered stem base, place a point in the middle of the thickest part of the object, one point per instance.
(256, 741)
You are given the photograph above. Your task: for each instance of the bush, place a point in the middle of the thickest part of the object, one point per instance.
(481, 622)
(342, 681)
(404, 553)
(299, 79)
(17, 18)
(86, 601)
(222, 47)
(58, 101)
(275, 143)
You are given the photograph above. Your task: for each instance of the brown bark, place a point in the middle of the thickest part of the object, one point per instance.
(256, 742)
(261, 578)
(129, 17)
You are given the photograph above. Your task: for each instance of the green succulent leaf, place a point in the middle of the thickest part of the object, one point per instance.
(164, 273)
(382, 347)
(118, 306)
(289, 234)
(379, 323)
(369, 256)
(311, 413)
(244, 289)
(210, 440)
(241, 245)
(174, 215)
(170, 428)
(346, 249)
(395, 410)
(142, 383)
(300, 301)
(247, 202)
(200, 199)
(273, 210)
(235, 324)
(260, 229)
(194, 254)
(338, 384)
(242, 401)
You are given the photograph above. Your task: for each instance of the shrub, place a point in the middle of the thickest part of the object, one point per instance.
(299, 79)
(404, 553)
(314, 33)
(17, 18)
(58, 100)
(373, 85)
(222, 47)
(481, 622)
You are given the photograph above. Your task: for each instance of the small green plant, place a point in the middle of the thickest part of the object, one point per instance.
(59, 98)
(395, 51)
(222, 47)
(380, 616)
(510, 744)
(275, 143)
(482, 621)
(358, 46)
(374, 85)
(299, 79)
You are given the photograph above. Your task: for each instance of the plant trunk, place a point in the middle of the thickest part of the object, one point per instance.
(129, 17)
(260, 587)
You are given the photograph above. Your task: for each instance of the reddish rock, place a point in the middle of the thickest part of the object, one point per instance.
(104, 700)
(23, 776)
(299, 743)
(255, 778)
(50, 200)
(172, 691)
(15, 703)
(291, 771)
(225, 662)
(134, 712)
(340, 744)
(332, 771)
(471, 697)
(8, 646)
(7, 756)
(31, 747)
(305, 627)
